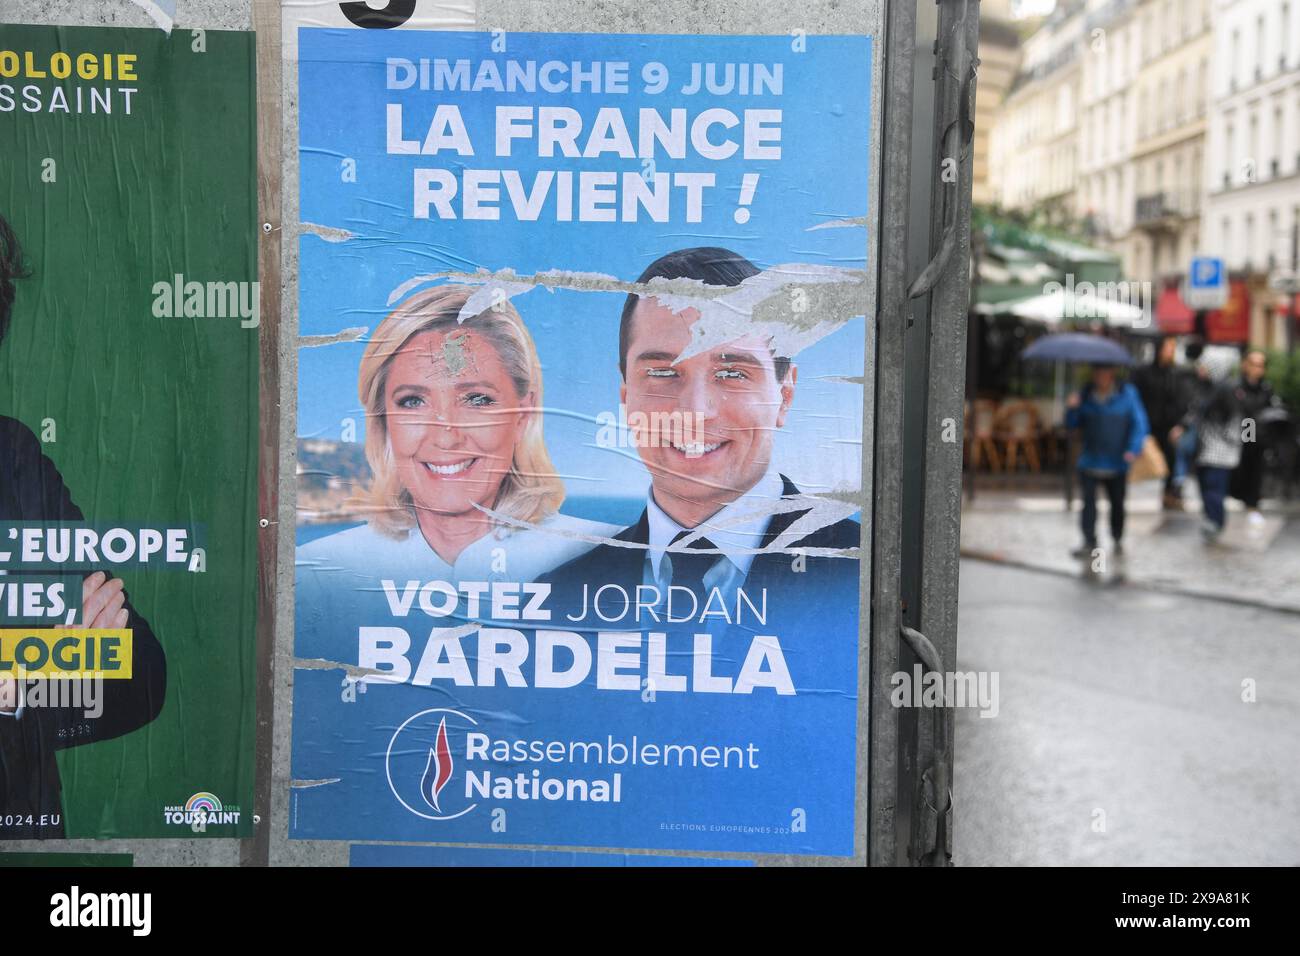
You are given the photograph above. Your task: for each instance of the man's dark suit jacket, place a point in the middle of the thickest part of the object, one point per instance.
(31, 489)
(821, 577)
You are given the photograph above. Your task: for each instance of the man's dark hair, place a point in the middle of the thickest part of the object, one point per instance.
(1160, 349)
(11, 267)
(708, 264)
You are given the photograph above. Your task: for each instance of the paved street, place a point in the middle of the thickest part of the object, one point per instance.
(1122, 700)
(1258, 565)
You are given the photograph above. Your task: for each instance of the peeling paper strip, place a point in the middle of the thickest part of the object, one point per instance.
(845, 379)
(328, 233)
(795, 304)
(161, 12)
(857, 222)
(354, 334)
(823, 514)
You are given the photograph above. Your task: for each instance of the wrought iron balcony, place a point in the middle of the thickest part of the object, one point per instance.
(1163, 210)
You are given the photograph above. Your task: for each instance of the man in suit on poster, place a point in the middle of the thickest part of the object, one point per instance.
(716, 505)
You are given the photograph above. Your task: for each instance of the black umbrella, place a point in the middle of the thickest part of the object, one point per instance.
(1078, 347)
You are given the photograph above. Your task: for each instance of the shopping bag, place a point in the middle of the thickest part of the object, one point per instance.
(1150, 464)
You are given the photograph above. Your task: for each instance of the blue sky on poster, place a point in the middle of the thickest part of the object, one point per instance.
(825, 105)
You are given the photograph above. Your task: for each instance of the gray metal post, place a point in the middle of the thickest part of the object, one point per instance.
(256, 851)
(887, 730)
(925, 234)
(945, 391)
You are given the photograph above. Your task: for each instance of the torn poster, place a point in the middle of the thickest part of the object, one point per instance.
(129, 323)
(580, 439)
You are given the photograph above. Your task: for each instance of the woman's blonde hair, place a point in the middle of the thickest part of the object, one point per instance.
(531, 490)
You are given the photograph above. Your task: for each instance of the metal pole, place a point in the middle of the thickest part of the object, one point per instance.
(944, 383)
(256, 851)
(888, 814)
(925, 233)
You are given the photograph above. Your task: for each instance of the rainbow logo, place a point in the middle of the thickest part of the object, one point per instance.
(203, 801)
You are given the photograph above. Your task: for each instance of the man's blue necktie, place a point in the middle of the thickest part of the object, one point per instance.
(689, 567)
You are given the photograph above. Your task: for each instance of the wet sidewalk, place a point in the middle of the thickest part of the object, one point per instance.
(1255, 564)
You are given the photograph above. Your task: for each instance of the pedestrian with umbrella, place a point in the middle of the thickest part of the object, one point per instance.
(1112, 422)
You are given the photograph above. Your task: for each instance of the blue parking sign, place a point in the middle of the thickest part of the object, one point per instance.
(1207, 283)
(1206, 273)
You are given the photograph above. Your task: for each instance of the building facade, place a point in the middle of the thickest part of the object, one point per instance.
(1145, 83)
(1252, 186)
(999, 55)
(1111, 60)
(1034, 142)
(1173, 40)
(1167, 129)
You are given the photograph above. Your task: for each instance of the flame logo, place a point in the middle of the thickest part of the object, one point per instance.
(402, 764)
(437, 773)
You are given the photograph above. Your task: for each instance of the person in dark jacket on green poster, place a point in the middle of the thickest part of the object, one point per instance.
(1113, 424)
(32, 490)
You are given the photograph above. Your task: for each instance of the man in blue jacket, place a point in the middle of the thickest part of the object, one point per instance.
(1114, 425)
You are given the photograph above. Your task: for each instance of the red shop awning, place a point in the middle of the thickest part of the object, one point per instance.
(1231, 324)
(1172, 314)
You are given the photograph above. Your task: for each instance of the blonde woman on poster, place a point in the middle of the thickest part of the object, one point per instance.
(453, 440)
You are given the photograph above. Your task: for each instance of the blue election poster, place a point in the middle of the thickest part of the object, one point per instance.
(580, 438)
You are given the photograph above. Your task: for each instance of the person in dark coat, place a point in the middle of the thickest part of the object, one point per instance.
(32, 490)
(1254, 394)
(1167, 393)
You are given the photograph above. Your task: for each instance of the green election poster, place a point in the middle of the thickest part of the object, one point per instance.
(129, 326)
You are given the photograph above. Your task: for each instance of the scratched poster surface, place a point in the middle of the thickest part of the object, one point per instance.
(129, 331)
(580, 439)
(454, 857)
